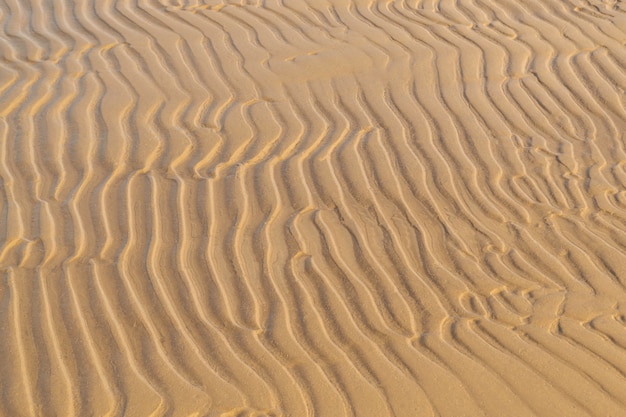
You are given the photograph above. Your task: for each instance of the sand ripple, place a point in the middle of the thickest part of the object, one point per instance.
(312, 208)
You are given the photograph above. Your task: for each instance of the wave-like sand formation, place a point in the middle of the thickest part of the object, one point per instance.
(313, 208)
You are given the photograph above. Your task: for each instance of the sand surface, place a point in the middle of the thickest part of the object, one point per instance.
(312, 208)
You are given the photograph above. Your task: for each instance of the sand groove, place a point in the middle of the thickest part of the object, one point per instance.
(320, 208)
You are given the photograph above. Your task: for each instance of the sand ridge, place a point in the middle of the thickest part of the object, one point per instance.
(312, 208)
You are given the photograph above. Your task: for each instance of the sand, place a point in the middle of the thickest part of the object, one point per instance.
(318, 208)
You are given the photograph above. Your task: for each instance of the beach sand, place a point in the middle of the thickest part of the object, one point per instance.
(313, 208)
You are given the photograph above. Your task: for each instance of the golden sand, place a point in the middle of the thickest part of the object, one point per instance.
(313, 208)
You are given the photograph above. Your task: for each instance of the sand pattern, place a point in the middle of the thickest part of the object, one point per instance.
(321, 208)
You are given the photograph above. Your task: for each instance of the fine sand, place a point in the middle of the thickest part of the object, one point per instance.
(312, 208)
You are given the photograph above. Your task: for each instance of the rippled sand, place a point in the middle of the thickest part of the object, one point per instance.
(316, 208)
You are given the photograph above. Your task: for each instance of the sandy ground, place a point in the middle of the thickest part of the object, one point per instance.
(312, 208)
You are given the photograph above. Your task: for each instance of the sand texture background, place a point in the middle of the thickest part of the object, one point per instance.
(312, 208)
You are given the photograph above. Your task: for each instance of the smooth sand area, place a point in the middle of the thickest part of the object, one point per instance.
(312, 208)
